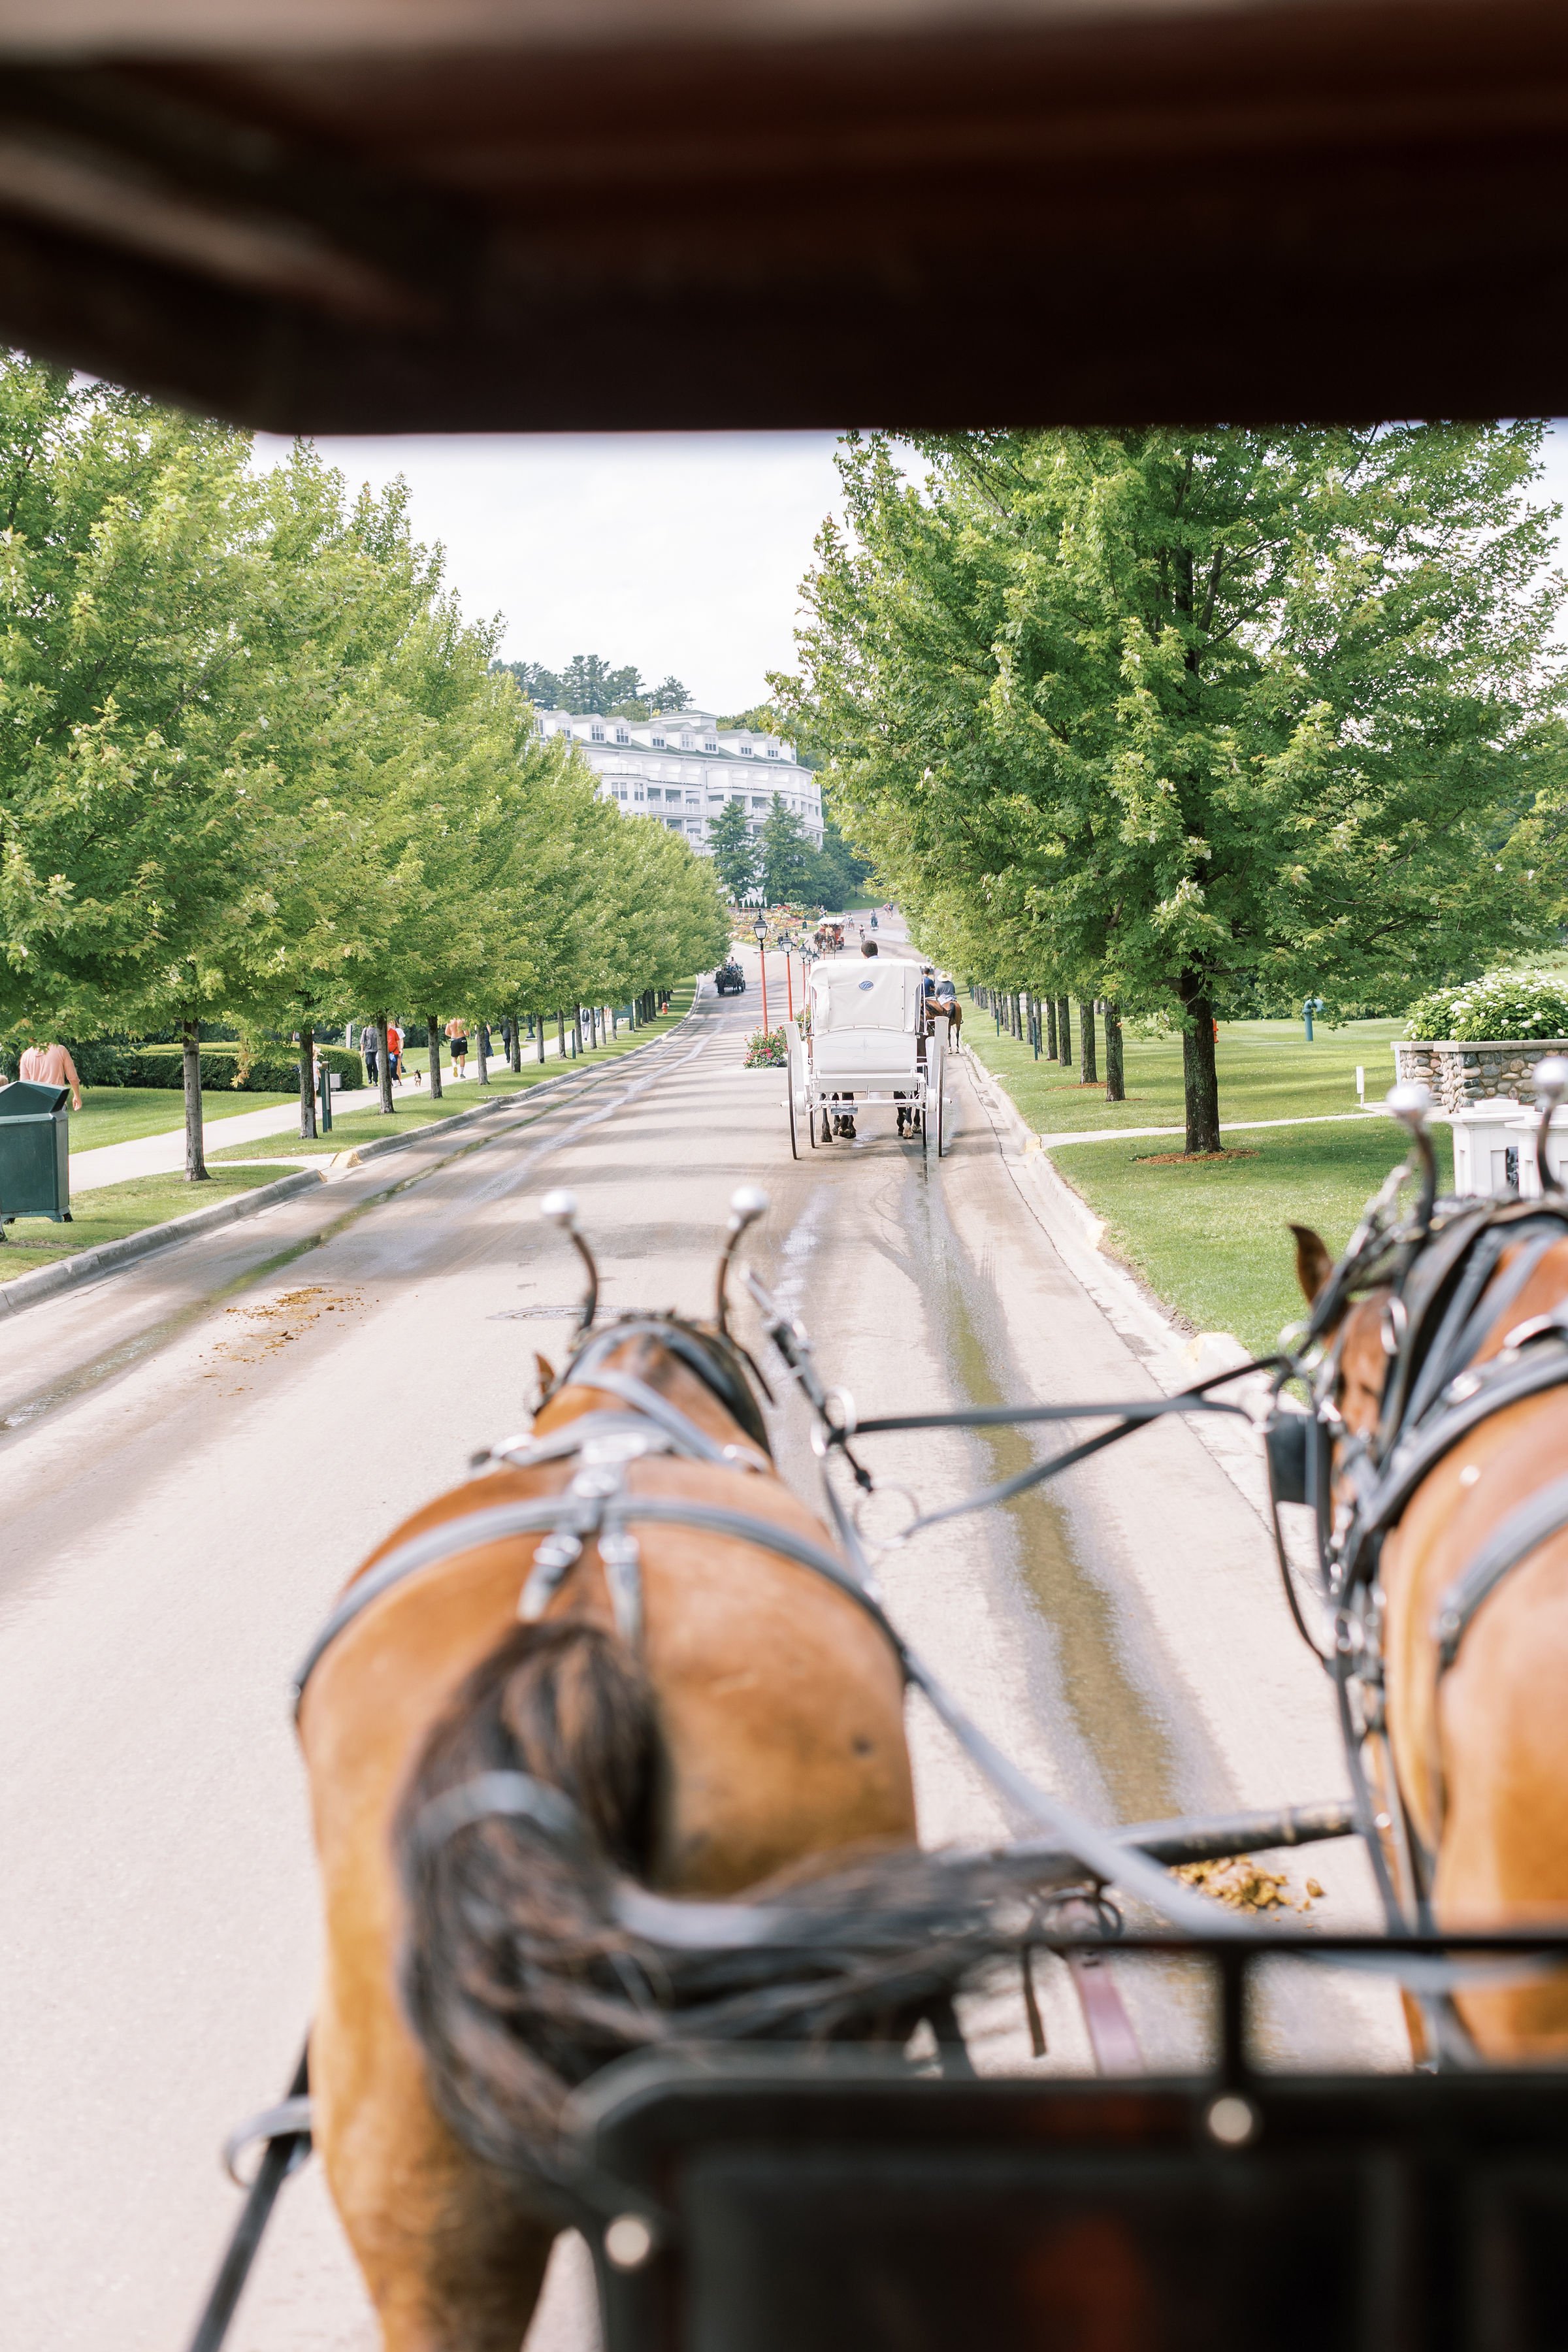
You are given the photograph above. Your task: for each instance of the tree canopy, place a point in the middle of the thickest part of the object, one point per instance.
(255, 763)
(589, 683)
(1195, 722)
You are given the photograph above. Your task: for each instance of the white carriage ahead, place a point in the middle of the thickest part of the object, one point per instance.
(866, 1036)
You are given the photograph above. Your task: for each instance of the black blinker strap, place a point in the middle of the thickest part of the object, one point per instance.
(1544, 1515)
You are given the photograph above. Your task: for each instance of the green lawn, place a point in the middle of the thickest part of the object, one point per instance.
(1211, 1236)
(416, 1109)
(1266, 1070)
(111, 1210)
(121, 1114)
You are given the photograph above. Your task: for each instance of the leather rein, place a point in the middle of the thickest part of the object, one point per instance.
(599, 1508)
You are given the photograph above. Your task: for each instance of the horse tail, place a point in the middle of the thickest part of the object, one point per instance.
(514, 1969)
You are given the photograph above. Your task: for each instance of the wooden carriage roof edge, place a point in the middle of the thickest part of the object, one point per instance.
(101, 29)
(949, 211)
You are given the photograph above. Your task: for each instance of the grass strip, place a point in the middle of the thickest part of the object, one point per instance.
(112, 1212)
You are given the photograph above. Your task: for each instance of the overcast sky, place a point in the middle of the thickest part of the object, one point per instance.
(682, 552)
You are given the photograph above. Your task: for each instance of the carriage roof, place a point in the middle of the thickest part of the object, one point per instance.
(868, 994)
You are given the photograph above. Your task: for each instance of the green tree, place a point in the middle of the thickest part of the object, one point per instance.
(789, 862)
(840, 875)
(733, 847)
(588, 683)
(1172, 717)
(133, 801)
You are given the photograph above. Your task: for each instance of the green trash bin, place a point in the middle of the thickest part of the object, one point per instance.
(34, 1151)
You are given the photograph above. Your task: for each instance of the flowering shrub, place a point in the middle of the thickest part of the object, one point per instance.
(1504, 1004)
(766, 1050)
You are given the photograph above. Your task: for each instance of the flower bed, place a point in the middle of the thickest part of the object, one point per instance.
(766, 1049)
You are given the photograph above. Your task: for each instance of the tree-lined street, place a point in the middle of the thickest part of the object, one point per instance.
(197, 1453)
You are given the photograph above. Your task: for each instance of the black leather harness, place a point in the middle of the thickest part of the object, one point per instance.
(1447, 1289)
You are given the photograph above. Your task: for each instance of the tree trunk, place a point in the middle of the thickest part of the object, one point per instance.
(1064, 1030)
(515, 1060)
(481, 1035)
(307, 1083)
(433, 1032)
(190, 1069)
(383, 1066)
(1050, 1004)
(577, 1030)
(561, 1034)
(1115, 1091)
(539, 1035)
(1086, 1041)
(1200, 1079)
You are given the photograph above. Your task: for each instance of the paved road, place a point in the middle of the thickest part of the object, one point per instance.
(194, 1454)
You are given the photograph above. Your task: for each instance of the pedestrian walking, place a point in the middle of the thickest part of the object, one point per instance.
(370, 1048)
(51, 1065)
(395, 1051)
(458, 1038)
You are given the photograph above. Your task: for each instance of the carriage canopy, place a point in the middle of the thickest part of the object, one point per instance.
(866, 995)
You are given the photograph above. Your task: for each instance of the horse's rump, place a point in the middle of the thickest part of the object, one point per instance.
(535, 1956)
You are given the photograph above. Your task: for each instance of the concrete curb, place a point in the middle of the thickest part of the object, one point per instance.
(48, 1281)
(33, 1289)
(1174, 1359)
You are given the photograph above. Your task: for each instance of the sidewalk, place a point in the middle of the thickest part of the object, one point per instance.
(161, 1155)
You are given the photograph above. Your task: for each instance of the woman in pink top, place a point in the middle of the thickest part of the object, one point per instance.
(51, 1065)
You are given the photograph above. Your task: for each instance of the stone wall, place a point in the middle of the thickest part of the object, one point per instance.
(1459, 1074)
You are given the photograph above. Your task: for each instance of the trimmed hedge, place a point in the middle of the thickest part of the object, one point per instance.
(271, 1070)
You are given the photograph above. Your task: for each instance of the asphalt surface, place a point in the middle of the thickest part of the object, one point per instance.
(197, 1451)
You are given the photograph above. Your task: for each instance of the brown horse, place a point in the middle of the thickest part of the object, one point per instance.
(1476, 1711)
(734, 1715)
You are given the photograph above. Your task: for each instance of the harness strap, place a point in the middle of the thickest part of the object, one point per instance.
(671, 1419)
(690, 1348)
(556, 1513)
(1545, 1513)
(1484, 1393)
(527, 1453)
(1479, 1304)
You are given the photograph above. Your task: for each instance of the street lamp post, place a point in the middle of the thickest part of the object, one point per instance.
(761, 930)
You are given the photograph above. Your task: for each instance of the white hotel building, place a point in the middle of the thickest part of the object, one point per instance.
(681, 767)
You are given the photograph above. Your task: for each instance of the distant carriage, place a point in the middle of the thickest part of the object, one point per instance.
(729, 980)
(869, 1040)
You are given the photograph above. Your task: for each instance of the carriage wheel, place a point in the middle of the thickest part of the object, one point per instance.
(941, 1115)
(794, 1132)
(810, 1123)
